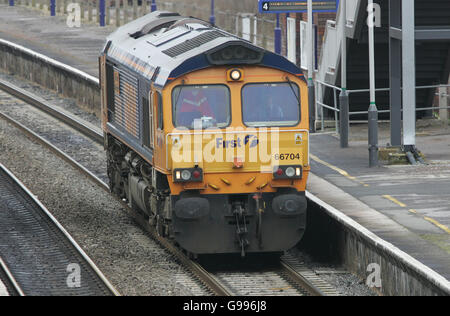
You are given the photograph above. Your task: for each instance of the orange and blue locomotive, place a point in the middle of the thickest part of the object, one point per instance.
(206, 134)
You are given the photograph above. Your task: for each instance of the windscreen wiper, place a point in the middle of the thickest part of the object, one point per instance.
(293, 90)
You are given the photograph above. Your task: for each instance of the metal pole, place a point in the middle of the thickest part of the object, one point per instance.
(278, 36)
(144, 7)
(212, 18)
(443, 103)
(102, 12)
(153, 7)
(373, 111)
(52, 7)
(395, 73)
(344, 98)
(311, 89)
(409, 74)
(108, 12)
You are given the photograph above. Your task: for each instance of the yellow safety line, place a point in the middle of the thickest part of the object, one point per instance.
(337, 169)
(432, 221)
(392, 199)
(435, 222)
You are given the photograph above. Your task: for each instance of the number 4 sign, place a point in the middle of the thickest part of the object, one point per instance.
(288, 6)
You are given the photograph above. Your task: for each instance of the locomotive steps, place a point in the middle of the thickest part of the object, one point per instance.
(354, 246)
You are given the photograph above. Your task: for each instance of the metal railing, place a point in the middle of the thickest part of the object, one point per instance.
(320, 105)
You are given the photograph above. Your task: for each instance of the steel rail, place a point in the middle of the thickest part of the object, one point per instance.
(300, 280)
(10, 278)
(67, 118)
(60, 229)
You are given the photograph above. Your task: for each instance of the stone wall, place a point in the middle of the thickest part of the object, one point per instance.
(332, 237)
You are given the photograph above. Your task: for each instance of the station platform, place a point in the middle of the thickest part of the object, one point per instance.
(408, 206)
(51, 36)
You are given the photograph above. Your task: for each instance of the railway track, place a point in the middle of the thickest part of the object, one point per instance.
(8, 284)
(288, 278)
(38, 256)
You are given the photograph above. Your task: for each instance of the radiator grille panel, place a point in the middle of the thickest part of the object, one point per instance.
(127, 111)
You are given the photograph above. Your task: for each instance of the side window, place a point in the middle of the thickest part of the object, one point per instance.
(147, 122)
(151, 96)
(160, 111)
(110, 90)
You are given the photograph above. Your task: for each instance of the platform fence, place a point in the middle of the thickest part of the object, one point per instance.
(441, 111)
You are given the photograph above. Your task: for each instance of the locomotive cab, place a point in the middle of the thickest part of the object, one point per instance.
(207, 135)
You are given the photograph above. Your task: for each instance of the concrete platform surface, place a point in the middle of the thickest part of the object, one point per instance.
(416, 198)
(51, 36)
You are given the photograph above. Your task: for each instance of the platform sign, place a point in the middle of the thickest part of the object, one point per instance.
(289, 6)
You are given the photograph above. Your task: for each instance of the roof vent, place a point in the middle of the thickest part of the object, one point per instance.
(167, 14)
(193, 43)
(155, 25)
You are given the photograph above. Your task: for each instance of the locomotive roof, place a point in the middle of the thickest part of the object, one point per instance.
(162, 46)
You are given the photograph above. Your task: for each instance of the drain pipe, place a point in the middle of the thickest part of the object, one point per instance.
(418, 156)
(411, 158)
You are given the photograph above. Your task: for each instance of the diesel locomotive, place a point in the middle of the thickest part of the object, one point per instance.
(206, 135)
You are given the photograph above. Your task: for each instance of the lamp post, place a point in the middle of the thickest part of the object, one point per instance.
(343, 98)
(52, 7)
(373, 111)
(102, 12)
(278, 36)
(311, 88)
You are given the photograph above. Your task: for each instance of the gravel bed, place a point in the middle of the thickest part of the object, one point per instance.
(72, 142)
(345, 282)
(129, 258)
(52, 97)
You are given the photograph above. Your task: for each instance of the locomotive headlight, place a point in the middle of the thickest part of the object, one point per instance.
(287, 172)
(236, 75)
(290, 172)
(186, 175)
